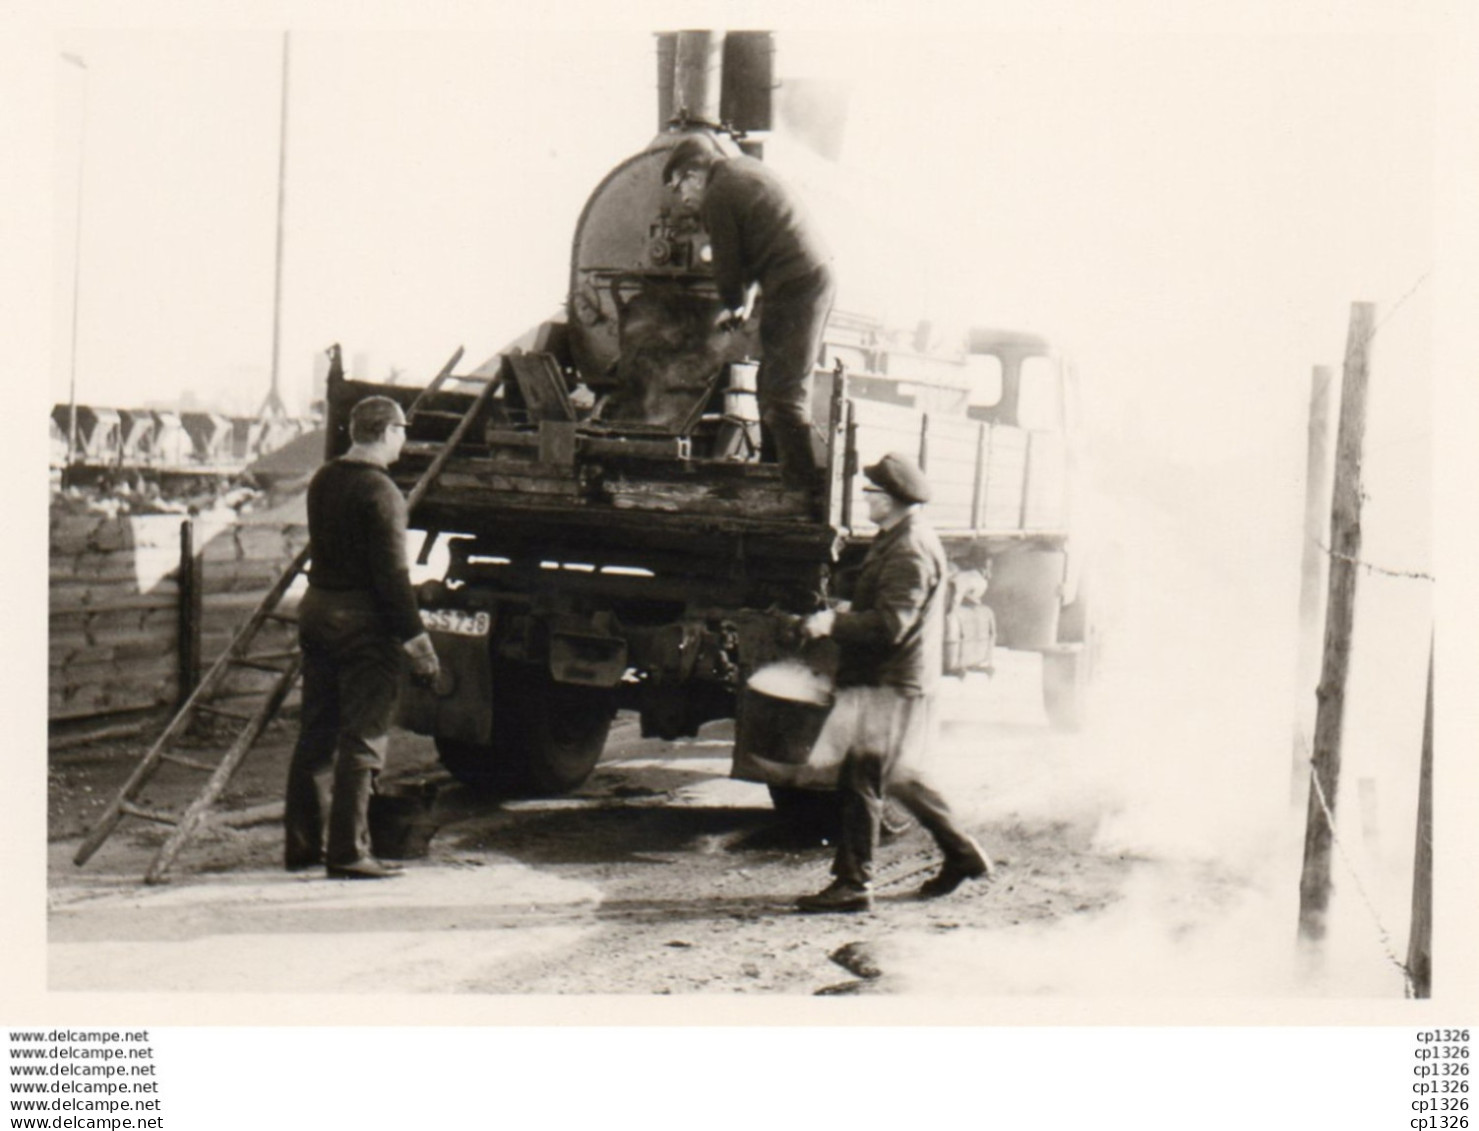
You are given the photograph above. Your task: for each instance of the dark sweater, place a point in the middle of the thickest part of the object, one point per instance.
(893, 635)
(757, 230)
(357, 539)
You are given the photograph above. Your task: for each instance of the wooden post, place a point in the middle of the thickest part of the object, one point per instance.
(1420, 934)
(849, 466)
(1312, 573)
(839, 450)
(191, 613)
(978, 482)
(1026, 481)
(1345, 547)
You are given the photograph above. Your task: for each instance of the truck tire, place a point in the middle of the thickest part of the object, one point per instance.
(1064, 687)
(1067, 675)
(471, 763)
(564, 732)
(547, 736)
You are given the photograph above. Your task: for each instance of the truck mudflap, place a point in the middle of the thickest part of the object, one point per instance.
(587, 658)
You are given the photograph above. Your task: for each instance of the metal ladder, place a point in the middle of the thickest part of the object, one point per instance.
(238, 655)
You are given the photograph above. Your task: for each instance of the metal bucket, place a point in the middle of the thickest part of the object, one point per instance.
(778, 728)
(740, 398)
(402, 820)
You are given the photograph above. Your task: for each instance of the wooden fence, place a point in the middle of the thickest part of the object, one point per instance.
(141, 604)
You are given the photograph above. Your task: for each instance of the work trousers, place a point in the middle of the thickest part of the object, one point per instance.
(886, 741)
(792, 319)
(352, 671)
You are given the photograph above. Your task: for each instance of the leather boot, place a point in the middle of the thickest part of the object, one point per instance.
(839, 895)
(956, 871)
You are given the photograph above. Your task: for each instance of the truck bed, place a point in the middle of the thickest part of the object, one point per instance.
(561, 488)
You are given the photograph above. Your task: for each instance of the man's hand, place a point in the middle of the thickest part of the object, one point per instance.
(731, 319)
(818, 624)
(424, 664)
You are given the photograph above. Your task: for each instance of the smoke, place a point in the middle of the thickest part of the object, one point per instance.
(793, 681)
(1185, 778)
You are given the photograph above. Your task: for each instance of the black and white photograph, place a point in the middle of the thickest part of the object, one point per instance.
(746, 515)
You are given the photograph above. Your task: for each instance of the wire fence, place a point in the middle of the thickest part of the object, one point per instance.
(1369, 567)
(1384, 935)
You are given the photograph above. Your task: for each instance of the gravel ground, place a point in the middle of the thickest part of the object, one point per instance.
(659, 876)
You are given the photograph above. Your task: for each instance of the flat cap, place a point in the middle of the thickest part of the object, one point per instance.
(693, 150)
(900, 477)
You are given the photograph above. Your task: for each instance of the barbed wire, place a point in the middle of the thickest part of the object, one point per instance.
(1412, 290)
(1385, 936)
(1406, 575)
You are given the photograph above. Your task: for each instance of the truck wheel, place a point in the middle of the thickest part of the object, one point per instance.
(471, 763)
(1064, 684)
(564, 729)
(547, 737)
(1066, 675)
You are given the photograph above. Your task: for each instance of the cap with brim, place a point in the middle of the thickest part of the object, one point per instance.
(901, 477)
(691, 151)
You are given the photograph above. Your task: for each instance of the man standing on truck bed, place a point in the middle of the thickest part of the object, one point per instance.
(357, 625)
(759, 234)
(890, 642)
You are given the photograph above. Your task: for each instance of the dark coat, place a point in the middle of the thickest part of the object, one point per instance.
(758, 231)
(893, 635)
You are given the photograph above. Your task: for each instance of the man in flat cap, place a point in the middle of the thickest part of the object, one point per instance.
(890, 646)
(759, 235)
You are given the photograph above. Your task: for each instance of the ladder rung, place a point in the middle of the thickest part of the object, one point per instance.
(147, 814)
(264, 661)
(283, 618)
(222, 712)
(188, 763)
(425, 447)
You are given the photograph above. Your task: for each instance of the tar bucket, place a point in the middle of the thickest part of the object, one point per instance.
(781, 711)
(402, 820)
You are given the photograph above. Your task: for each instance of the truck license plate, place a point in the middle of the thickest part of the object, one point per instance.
(456, 622)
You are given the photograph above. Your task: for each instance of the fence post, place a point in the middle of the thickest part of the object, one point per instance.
(1420, 934)
(1312, 572)
(1345, 552)
(190, 610)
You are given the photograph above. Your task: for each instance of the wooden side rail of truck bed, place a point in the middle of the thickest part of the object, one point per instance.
(554, 477)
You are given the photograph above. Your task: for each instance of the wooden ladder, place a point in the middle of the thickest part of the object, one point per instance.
(284, 665)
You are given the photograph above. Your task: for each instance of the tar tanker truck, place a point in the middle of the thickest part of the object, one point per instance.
(613, 540)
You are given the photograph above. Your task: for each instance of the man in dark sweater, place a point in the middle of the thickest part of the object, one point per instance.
(358, 627)
(890, 651)
(759, 236)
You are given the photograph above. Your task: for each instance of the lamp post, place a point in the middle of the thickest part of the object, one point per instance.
(273, 407)
(76, 61)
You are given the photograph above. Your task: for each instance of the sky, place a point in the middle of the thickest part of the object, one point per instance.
(1195, 209)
